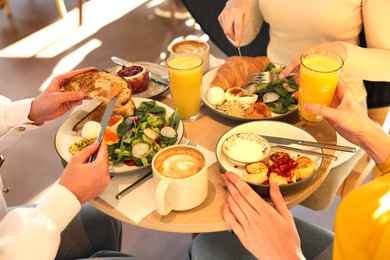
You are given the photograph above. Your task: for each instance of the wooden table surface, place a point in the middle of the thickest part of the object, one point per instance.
(207, 217)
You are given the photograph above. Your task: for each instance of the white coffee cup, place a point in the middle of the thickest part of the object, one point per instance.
(180, 175)
(196, 47)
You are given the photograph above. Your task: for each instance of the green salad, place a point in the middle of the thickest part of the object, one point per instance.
(144, 134)
(279, 95)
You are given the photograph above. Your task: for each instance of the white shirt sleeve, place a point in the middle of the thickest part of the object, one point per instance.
(34, 233)
(14, 120)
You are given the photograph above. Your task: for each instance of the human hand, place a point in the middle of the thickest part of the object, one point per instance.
(346, 115)
(351, 121)
(267, 232)
(52, 102)
(234, 18)
(87, 180)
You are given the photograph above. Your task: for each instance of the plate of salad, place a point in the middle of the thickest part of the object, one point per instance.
(132, 142)
(254, 101)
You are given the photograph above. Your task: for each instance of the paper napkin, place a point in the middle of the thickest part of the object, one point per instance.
(140, 201)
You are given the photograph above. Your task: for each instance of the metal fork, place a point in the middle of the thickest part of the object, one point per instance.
(264, 77)
(192, 143)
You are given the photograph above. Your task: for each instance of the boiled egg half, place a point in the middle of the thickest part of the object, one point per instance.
(90, 130)
(216, 95)
(234, 93)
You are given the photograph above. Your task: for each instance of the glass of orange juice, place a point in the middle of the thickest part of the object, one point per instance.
(319, 73)
(185, 79)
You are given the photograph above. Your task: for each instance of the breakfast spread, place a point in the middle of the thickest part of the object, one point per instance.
(280, 167)
(231, 91)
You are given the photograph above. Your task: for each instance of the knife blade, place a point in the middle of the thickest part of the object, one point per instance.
(242, 61)
(103, 123)
(153, 76)
(332, 157)
(287, 141)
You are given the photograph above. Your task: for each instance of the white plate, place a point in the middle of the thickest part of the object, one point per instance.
(206, 81)
(154, 89)
(271, 128)
(66, 136)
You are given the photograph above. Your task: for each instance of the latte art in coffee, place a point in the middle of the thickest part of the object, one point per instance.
(179, 163)
(190, 47)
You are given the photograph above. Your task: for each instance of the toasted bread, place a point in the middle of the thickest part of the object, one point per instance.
(124, 107)
(100, 85)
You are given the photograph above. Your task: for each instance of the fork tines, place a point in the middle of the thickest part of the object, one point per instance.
(262, 77)
(192, 143)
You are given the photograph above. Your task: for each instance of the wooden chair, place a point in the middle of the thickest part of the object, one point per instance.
(4, 5)
(62, 9)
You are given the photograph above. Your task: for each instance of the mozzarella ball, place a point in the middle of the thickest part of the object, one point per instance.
(90, 130)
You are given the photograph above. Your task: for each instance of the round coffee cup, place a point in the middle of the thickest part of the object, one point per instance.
(196, 47)
(180, 175)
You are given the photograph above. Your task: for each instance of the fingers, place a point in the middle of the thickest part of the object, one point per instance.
(278, 201)
(245, 196)
(84, 154)
(227, 25)
(102, 155)
(231, 221)
(321, 110)
(292, 67)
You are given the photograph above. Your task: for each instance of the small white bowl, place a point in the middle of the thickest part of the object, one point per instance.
(245, 148)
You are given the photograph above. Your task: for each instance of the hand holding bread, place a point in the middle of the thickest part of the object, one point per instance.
(104, 86)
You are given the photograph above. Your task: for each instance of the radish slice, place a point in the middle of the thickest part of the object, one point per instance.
(168, 131)
(151, 133)
(140, 150)
(287, 87)
(270, 97)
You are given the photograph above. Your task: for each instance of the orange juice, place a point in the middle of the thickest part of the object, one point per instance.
(185, 78)
(319, 73)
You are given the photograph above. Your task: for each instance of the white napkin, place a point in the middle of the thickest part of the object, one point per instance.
(140, 201)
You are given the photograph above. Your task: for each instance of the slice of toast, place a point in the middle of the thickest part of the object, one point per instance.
(97, 84)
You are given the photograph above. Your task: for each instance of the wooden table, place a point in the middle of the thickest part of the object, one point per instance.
(207, 217)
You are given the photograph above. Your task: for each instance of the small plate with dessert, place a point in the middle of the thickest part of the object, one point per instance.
(137, 75)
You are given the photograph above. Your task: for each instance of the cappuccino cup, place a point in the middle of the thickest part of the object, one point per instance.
(195, 47)
(180, 175)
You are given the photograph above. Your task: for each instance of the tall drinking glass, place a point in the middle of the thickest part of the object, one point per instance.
(185, 79)
(319, 73)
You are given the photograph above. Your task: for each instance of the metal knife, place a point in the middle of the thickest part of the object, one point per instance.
(153, 76)
(334, 158)
(103, 123)
(287, 141)
(131, 186)
(242, 61)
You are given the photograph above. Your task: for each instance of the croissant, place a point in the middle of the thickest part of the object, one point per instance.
(231, 73)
